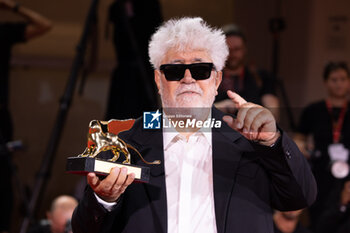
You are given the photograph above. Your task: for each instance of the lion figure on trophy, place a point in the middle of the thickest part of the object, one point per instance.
(99, 141)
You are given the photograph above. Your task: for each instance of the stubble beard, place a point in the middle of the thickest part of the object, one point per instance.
(195, 106)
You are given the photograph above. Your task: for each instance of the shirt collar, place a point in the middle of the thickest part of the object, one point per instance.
(170, 134)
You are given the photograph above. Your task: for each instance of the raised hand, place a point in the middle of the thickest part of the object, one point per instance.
(113, 185)
(253, 121)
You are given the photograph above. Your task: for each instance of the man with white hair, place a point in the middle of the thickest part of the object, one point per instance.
(225, 178)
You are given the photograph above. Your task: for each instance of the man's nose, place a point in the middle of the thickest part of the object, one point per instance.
(187, 77)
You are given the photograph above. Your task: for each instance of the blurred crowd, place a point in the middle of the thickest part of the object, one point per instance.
(322, 134)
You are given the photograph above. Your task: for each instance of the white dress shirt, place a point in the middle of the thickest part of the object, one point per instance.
(189, 182)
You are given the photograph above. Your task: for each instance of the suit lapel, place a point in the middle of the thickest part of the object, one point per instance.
(226, 157)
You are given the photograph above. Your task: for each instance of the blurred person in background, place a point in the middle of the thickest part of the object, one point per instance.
(327, 122)
(10, 34)
(288, 222)
(254, 85)
(335, 218)
(132, 90)
(59, 216)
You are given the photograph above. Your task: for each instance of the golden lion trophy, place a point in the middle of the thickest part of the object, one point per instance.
(103, 137)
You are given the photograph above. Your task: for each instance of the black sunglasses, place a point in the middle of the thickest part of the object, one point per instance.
(175, 72)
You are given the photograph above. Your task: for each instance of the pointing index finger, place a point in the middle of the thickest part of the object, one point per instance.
(237, 99)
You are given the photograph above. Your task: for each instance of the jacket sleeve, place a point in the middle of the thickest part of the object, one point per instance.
(91, 217)
(292, 184)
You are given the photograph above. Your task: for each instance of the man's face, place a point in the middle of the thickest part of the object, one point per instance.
(59, 218)
(338, 83)
(237, 52)
(187, 92)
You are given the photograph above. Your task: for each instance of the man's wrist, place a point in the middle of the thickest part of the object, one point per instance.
(107, 205)
(271, 142)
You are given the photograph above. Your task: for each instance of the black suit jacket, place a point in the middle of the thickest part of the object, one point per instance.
(249, 181)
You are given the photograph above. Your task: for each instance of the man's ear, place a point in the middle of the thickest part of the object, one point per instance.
(157, 77)
(218, 79)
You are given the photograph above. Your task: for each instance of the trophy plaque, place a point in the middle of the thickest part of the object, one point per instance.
(103, 137)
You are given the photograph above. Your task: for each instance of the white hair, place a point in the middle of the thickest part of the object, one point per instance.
(188, 34)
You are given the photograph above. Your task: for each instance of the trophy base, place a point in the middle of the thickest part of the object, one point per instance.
(84, 165)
